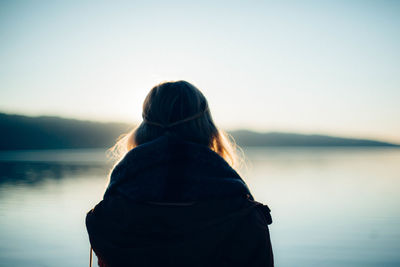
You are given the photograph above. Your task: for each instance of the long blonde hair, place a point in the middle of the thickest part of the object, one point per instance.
(171, 102)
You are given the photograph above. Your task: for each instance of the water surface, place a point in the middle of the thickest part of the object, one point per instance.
(330, 206)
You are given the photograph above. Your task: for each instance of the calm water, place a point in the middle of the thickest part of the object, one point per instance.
(331, 206)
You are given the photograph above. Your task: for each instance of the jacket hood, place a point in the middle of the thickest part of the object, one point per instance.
(176, 203)
(169, 169)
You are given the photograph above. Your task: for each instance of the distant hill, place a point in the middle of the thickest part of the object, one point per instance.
(249, 138)
(23, 132)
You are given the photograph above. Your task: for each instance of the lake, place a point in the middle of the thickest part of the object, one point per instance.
(330, 206)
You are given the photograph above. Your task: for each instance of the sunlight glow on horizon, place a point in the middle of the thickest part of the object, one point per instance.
(309, 67)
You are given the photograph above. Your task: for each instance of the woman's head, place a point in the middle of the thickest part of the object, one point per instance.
(180, 109)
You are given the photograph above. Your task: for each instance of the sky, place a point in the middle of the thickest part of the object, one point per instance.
(325, 67)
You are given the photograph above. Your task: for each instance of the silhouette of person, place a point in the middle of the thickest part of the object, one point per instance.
(174, 198)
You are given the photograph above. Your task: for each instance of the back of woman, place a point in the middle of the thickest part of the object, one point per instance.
(174, 198)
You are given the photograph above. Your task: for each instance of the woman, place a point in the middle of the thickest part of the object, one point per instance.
(174, 199)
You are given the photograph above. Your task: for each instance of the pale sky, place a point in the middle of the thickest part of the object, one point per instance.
(295, 66)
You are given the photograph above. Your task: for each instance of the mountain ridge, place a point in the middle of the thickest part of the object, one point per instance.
(19, 132)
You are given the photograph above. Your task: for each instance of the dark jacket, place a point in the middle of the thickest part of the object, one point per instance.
(177, 203)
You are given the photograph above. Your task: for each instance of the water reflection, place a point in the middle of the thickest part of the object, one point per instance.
(33, 167)
(36, 173)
